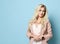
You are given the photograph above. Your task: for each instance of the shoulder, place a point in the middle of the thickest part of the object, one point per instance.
(30, 24)
(47, 21)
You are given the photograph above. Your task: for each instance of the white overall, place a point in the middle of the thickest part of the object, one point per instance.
(36, 29)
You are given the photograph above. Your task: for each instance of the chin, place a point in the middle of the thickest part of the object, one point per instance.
(41, 16)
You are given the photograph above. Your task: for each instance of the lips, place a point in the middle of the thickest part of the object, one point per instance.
(40, 14)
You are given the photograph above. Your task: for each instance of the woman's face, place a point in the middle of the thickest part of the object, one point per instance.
(41, 12)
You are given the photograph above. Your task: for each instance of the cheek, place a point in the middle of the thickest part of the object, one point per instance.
(41, 13)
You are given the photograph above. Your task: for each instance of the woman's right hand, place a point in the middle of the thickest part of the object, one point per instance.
(36, 38)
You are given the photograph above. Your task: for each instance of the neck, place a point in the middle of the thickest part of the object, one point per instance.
(39, 20)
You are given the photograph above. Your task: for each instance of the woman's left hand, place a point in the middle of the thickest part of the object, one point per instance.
(37, 38)
(40, 37)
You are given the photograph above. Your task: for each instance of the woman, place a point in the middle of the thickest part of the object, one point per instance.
(39, 28)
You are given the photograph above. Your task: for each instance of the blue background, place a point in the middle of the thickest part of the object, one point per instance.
(15, 15)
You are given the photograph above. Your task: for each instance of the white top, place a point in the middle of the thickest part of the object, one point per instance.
(36, 29)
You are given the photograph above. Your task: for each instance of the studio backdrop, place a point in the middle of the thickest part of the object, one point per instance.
(15, 15)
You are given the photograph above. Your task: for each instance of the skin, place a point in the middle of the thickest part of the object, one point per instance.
(41, 12)
(41, 15)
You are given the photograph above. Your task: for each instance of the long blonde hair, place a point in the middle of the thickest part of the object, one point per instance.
(36, 13)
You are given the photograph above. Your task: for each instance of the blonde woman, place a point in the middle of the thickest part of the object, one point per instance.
(39, 28)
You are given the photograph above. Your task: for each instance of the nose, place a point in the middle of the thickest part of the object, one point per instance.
(41, 12)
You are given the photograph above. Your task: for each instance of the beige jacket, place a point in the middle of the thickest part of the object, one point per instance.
(46, 32)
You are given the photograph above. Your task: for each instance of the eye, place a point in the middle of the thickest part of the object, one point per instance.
(39, 10)
(43, 10)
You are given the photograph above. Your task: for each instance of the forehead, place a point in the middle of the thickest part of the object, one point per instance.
(41, 8)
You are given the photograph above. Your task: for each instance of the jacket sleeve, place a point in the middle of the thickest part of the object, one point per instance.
(49, 32)
(29, 34)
